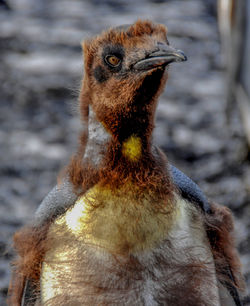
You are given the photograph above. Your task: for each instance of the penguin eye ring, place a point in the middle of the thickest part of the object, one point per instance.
(112, 60)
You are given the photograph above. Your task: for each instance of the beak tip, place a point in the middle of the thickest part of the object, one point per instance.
(181, 55)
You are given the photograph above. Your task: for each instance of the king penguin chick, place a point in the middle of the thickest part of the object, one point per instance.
(123, 226)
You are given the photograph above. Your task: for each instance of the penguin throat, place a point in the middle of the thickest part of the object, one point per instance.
(134, 114)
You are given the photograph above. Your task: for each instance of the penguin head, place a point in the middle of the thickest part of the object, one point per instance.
(125, 71)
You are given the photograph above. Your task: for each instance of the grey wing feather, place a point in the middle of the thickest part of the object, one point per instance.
(60, 198)
(189, 190)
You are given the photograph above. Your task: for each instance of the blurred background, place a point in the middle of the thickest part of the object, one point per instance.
(203, 115)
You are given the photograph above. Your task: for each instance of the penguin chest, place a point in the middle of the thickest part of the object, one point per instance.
(121, 221)
(105, 253)
(103, 224)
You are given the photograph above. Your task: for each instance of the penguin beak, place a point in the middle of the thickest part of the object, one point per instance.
(160, 58)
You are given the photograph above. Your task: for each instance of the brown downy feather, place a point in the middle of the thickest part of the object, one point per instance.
(220, 227)
(122, 105)
(29, 243)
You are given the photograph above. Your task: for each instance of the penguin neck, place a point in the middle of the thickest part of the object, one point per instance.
(97, 141)
(100, 140)
(111, 162)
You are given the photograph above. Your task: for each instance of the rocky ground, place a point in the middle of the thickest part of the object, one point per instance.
(40, 73)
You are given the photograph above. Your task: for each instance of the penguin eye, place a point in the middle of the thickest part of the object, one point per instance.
(112, 60)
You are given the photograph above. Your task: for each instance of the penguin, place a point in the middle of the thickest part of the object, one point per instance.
(123, 226)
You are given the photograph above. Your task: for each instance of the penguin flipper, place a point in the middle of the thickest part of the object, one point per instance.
(28, 242)
(219, 216)
(61, 197)
(189, 190)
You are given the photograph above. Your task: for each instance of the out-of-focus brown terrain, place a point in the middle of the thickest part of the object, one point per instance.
(40, 73)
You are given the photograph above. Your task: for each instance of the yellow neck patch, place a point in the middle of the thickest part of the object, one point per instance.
(132, 148)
